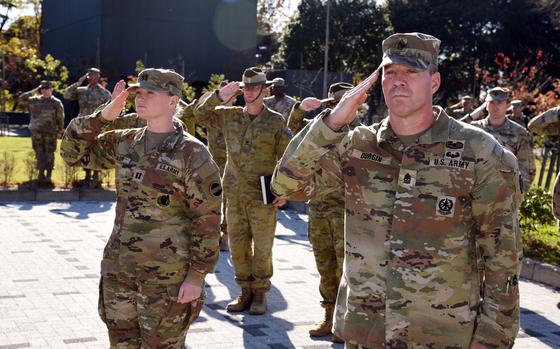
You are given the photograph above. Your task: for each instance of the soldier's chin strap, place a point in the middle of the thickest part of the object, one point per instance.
(260, 93)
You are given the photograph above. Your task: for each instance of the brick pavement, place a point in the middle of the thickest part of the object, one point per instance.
(49, 267)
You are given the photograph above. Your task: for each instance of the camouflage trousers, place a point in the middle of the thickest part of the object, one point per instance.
(251, 228)
(326, 234)
(44, 145)
(145, 315)
(221, 162)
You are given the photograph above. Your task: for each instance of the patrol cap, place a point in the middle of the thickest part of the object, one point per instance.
(416, 50)
(94, 70)
(279, 82)
(336, 91)
(466, 98)
(497, 94)
(159, 80)
(254, 76)
(45, 84)
(516, 103)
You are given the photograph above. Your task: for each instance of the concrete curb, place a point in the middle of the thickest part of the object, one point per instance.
(541, 272)
(44, 195)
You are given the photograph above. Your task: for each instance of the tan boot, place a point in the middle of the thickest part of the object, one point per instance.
(224, 244)
(242, 302)
(324, 328)
(258, 307)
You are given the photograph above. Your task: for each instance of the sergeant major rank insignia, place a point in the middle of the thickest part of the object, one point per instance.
(407, 178)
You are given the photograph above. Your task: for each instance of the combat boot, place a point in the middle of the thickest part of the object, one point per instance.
(242, 302)
(258, 307)
(324, 328)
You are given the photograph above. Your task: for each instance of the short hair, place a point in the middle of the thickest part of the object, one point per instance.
(432, 69)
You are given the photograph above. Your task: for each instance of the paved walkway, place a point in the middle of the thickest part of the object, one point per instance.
(49, 268)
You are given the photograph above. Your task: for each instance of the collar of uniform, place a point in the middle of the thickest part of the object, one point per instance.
(263, 112)
(168, 143)
(438, 132)
(486, 123)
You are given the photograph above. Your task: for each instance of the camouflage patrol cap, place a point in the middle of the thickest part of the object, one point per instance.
(416, 50)
(336, 91)
(516, 103)
(278, 82)
(254, 76)
(45, 84)
(497, 94)
(94, 70)
(159, 80)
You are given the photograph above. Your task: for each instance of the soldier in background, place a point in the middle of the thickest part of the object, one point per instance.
(279, 101)
(517, 113)
(89, 98)
(165, 237)
(325, 228)
(255, 139)
(510, 134)
(46, 125)
(422, 192)
(217, 147)
(459, 110)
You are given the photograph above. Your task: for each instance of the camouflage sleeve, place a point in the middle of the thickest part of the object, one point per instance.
(297, 176)
(556, 198)
(296, 120)
(71, 92)
(283, 138)
(498, 239)
(24, 98)
(188, 117)
(204, 199)
(526, 160)
(205, 112)
(60, 116)
(106, 95)
(83, 145)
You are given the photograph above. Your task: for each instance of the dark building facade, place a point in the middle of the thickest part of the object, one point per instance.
(194, 37)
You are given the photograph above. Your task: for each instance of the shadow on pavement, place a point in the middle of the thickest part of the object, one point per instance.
(82, 210)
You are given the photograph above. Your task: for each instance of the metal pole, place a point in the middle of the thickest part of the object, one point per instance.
(326, 67)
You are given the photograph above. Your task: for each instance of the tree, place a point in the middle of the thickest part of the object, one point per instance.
(23, 66)
(355, 40)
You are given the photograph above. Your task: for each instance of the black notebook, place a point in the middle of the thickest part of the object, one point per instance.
(267, 195)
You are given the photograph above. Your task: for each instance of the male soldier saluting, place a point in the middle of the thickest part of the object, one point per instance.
(165, 237)
(89, 98)
(326, 219)
(46, 125)
(415, 212)
(255, 140)
(510, 134)
(279, 101)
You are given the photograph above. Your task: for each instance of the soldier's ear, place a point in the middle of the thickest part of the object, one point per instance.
(436, 81)
(173, 101)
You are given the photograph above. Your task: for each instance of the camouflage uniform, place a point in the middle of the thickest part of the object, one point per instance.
(556, 197)
(216, 146)
(325, 228)
(253, 148)
(282, 106)
(519, 141)
(46, 123)
(166, 228)
(416, 216)
(89, 99)
(413, 218)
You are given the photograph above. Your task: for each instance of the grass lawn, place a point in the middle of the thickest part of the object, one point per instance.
(20, 147)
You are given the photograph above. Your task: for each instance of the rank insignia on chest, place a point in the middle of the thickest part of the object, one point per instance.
(138, 175)
(445, 206)
(407, 178)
